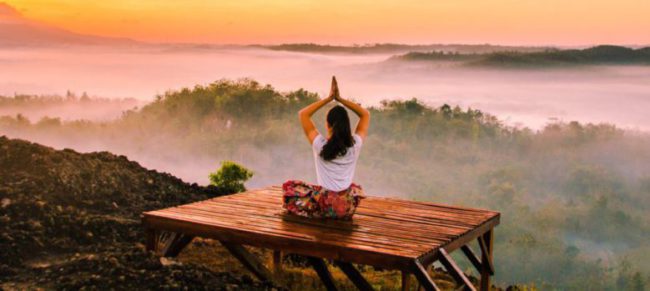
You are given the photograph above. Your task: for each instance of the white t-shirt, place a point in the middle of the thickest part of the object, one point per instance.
(337, 174)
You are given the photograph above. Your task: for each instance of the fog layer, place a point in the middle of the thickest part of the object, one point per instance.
(619, 95)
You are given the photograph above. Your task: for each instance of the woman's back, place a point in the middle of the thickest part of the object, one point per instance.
(336, 174)
(335, 158)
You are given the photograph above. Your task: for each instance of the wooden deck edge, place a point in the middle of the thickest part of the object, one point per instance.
(304, 247)
(461, 240)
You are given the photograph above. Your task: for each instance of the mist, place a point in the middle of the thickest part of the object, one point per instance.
(519, 97)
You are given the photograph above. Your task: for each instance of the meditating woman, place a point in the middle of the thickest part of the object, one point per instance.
(335, 156)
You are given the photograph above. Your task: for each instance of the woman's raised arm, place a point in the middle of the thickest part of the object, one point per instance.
(305, 115)
(364, 115)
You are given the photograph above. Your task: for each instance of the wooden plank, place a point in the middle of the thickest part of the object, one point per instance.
(279, 218)
(381, 208)
(323, 273)
(295, 229)
(388, 234)
(265, 240)
(359, 214)
(175, 244)
(277, 190)
(423, 276)
(471, 256)
(486, 258)
(249, 261)
(383, 218)
(423, 212)
(453, 269)
(384, 212)
(387, 237)
(353, 274)
(312, 234)
(370, 204)
(361, 224)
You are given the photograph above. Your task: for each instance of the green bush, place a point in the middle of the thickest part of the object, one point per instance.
(231, 177)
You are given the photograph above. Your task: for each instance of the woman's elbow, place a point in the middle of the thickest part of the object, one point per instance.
(302, 114)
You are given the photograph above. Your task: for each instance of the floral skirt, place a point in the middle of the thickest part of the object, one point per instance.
(309, 200)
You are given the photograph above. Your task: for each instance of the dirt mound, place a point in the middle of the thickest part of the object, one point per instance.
(69, 220)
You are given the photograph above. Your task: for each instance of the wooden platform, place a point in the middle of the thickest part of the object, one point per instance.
(388, 233)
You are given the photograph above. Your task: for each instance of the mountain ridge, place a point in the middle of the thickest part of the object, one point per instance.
(18, 31)
(596, 55)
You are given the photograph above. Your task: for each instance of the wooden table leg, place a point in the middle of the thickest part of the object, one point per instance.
(151, 239)
(175, 244)
(406, 280)
(321, 269)
(277, 262)
(249, 261)
(423, 277)
(486, 241)
(455, 271)
(354, 275)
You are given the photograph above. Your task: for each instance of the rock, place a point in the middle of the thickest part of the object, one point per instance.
(5, 202)
(113, 261)
(168, 262)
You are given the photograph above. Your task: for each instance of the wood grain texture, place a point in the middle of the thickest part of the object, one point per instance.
(384, 232)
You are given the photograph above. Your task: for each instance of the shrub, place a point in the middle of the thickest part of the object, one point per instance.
(231, 177)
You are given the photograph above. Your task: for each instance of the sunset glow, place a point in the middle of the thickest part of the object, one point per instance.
(580, 22)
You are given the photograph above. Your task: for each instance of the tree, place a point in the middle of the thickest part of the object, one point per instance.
(231, 177)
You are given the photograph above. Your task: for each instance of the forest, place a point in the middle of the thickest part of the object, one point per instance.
(598, 55)
(574, 197)
(391, 48)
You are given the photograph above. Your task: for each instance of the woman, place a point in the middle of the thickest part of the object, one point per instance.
(335, 157)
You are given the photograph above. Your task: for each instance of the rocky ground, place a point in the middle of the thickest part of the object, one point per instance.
(72, 221)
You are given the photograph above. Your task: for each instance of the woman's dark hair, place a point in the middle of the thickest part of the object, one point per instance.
(341, 139)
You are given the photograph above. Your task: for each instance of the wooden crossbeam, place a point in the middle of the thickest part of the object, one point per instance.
(485, 253)
(175, 244)
(471, 256)
(423, 277)
(354, 275)
(486, 242)
(249, 261)
(455, 271)
(321, 269)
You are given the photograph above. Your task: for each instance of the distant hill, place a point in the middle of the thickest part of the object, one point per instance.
(18, 31)
(387, 48)
(68, 107)
(598, 55)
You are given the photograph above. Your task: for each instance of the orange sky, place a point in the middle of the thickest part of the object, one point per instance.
(561, 22)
